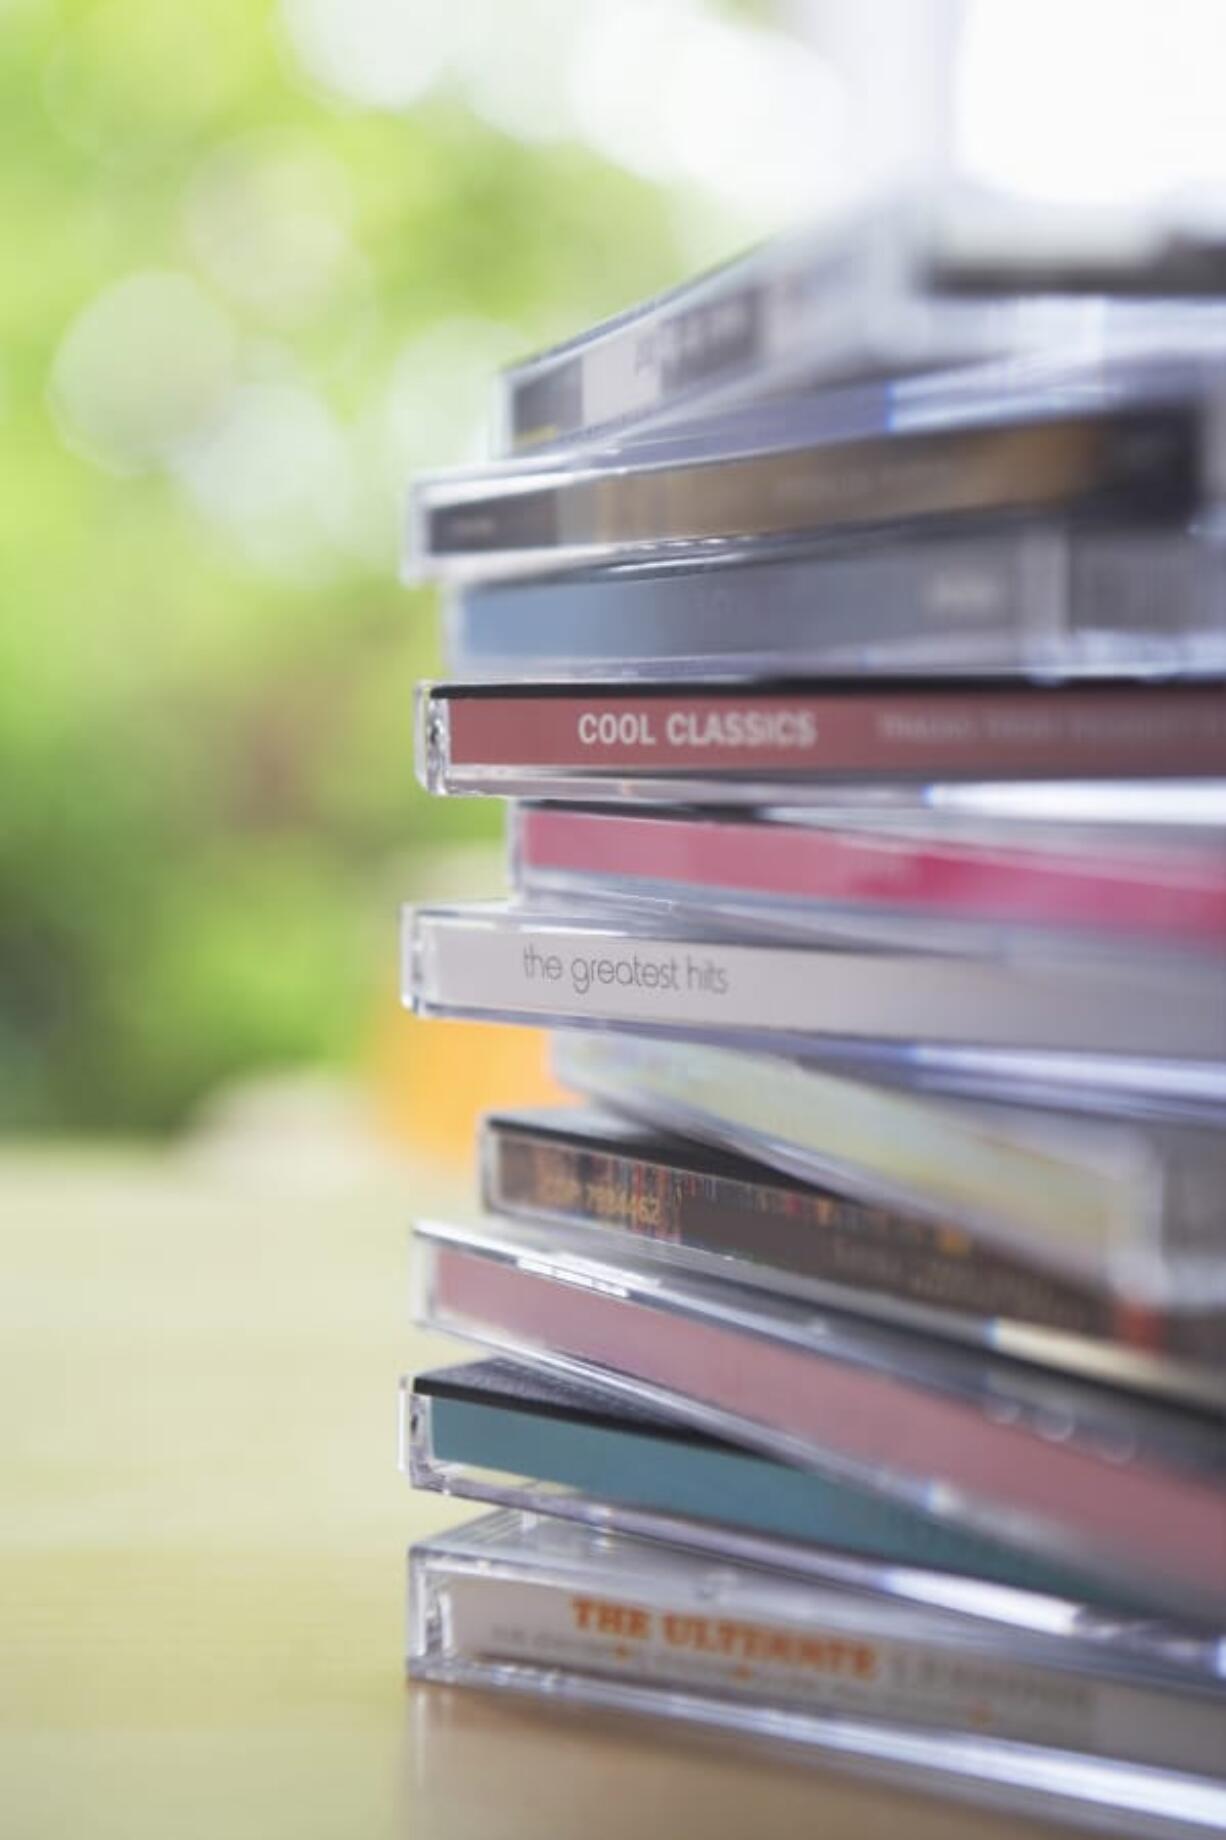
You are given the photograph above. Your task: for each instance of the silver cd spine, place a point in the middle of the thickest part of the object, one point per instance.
(558, 1611)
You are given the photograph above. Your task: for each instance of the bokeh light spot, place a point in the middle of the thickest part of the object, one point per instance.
(273, 474)
(267, 219)
(141, 370)
(381, 54)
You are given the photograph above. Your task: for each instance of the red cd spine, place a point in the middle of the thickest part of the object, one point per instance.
(1045, 732)
(1175, 893)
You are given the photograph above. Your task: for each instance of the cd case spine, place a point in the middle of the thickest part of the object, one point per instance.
(754, 1226)
(1127, 1205)
(1019, 599)
(558, 1610)
(801, 306)
(906, 288)
(843, 880)
(1146, 465)
(520, 966)
(803, 743)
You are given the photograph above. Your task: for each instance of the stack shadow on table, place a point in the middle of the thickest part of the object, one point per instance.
(848, 632)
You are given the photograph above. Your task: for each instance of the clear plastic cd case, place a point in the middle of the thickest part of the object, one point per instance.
(515, 1435)
(761, 742)
(1141, 450)
(1076, 1473)
(829, 878)
(544, 1606)
(826, 306)
(791, 995)
(726, 1217)
(899, 288)
(1132, 1204)
(1029, 598)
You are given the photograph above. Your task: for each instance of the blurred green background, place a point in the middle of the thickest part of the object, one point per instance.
(262, 258)
(261, 263)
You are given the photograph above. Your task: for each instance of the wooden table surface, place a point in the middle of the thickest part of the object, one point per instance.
(203, 1535)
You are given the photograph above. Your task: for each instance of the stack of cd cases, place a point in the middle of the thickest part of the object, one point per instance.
(846, 634)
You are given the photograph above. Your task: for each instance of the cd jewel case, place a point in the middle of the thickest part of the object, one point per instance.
(518, 965)
(1031, 597)
(1131, 1204)
(834, 304)
(554, 1608)
(907, 286)
(1074, 1472)
(775, 743)
(827, 466)
(826, 877)
(725, 1216)
(827, 306)
(503, 1432)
